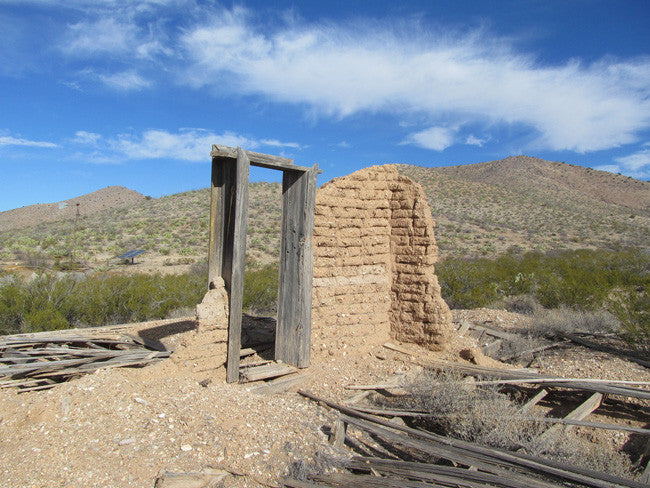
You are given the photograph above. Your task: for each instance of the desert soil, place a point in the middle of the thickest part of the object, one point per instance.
(121, 428)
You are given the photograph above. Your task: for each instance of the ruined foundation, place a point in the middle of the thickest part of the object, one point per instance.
(374, 255)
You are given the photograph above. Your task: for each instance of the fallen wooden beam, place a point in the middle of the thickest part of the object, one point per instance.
(265, 371)
(447, 474)
(484, 458)
(609, 387)
(579, 413)
(595, 425)
(534, 401)
(599, 347)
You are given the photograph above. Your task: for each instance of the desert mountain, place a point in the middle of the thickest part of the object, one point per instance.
(518, 203)
(528, 203)
(108, 198)
(537, 176)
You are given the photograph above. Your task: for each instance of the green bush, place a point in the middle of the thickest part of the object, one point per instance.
(261, 289)
(583, 281)
(579, 279)
(49, 302)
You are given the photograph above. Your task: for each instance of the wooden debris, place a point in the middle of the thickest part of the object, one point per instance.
(595, 425)
(41, 360)
(600, 386)
(533, 351)
(534, 401)
(280, 385)
(580, 413)
(337, 438)
(265, 371)
(488, 460)
(599, 347)
(208, 478)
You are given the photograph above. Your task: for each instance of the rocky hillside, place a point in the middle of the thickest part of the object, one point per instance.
(524, 203)
(518, 204)
(98, 201)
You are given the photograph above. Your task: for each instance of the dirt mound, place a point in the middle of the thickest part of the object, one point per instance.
(105, 199)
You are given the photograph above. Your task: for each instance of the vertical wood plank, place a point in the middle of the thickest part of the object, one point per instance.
(238, 217)
(288, 275)
(307, 267)
(293, 333)
(217, 202)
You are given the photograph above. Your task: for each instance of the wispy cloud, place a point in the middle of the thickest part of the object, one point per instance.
(636, 165)
(343, 69)
(472, 140)
(103, 36)
(191, 145)
(436, 138)
(473, 79)
(14, 141)
(125, 81)
(276, 143)
(84, 137)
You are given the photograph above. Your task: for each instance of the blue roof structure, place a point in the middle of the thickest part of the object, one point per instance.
(131, 254)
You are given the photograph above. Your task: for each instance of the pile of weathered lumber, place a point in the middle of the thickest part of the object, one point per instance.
(41, 360)
(460, 463)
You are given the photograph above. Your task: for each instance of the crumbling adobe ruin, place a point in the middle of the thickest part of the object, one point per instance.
(374, 256)
(373, 267)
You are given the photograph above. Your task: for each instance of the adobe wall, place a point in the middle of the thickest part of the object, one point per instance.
(374, 255)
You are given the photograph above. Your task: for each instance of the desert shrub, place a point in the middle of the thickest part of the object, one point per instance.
(583, 280)
(49, 302)
(44, 319)
(261, 289)
(580, 279)
(524, 304)
(633, 311)
(12, 303)
(482, 415)
(551, 321)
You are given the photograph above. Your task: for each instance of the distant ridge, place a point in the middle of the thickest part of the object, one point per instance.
(108, 198)
(530, 174)
(528, 203)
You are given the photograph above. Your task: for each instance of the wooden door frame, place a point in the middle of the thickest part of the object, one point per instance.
(227, 249)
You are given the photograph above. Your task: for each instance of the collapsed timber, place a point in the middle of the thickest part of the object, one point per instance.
(467, 464)
(40, 361)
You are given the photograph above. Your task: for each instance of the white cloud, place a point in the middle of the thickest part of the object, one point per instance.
(104, 36)
(83, 137)
(636, 165)
(192, 145)
(636, 161)
(436, 138)
(125, 81)
(189, 145)
(339, 70)
(472, 140)
(13, 141)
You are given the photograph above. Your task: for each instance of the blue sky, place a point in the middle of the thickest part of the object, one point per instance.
(105, 92)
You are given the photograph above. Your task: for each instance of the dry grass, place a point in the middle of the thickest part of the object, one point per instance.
(550, 322)
(487, 416)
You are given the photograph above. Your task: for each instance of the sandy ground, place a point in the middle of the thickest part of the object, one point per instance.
(122, 427)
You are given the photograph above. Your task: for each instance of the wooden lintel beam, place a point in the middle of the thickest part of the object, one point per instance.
(259, 159)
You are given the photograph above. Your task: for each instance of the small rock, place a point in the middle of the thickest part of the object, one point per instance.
(126, 442)
(186, 448)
